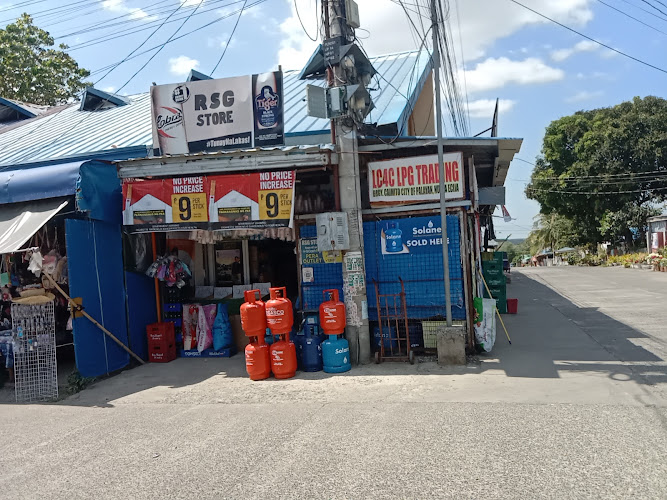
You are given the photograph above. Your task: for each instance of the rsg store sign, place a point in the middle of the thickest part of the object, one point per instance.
(414, 179)
(213, 115)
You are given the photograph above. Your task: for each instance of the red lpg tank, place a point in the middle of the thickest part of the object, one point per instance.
(279, 316)
(253, 317)
(283, 358)
(332, 314)
(257, 361)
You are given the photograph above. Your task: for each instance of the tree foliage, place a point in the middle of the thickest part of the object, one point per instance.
(599, 166)
(551, 231)
(31, 70)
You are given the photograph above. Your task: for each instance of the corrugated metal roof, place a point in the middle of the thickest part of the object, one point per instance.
(72, 133)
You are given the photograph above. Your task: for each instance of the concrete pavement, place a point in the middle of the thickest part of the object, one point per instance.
(562, 412)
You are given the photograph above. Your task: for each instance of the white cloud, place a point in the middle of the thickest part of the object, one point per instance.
(584, 95)
(181, 65)
(583, 46)
(484, 108)
(109, 89)
(482, 22)
(120, 7)
(495, 73)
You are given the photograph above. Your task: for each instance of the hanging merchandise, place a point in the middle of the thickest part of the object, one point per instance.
(171, 270)
(35, 265)
(205, 320)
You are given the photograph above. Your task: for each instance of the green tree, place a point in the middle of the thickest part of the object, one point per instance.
(32, 70)
(598, 166)
(551, 231)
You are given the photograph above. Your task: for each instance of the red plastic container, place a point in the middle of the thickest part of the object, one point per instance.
(161, 352)
(160, 332)
(512, 306)
(332, 314)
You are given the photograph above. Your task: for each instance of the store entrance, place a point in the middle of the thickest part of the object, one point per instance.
(274, 261)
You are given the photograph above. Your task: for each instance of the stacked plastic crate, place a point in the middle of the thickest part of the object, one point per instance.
(172, 310)
(492, 268)
(161, 342)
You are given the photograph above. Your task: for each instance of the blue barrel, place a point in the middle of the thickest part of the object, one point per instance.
(311, 354)
(336, 355)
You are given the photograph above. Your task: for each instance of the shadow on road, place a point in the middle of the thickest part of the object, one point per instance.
(551, 335)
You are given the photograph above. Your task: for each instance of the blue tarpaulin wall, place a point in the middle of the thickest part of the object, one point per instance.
(99, 192)
(95, 262)
(417, 261)
(325, 275)
(141, 310)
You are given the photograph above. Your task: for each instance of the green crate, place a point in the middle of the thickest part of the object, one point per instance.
(496, 292)
(501, 304)
(496, 281)
(492, 265)
(492, 257)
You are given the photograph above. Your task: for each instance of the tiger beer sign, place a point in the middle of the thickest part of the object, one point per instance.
(415, 179)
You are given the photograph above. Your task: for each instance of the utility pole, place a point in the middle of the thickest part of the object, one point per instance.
(345, 135)
(435, 28)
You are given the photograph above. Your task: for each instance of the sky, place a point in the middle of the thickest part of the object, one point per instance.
(539, 70)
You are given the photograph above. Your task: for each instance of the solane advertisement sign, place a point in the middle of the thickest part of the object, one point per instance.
(214, 115)
(415, 179)
(409, 236)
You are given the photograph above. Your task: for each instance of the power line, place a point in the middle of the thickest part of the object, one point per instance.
(142, 43)
(632, 17)
(596, 177)
(654, 7)
(296, 9)
(229, 40)
(222, 18)
(163, 45)
(590, 38)
(594, 193)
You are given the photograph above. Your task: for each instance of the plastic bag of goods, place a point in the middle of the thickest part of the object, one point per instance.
(190, 322)
(205, 327)
(485, 323)
(222, 329)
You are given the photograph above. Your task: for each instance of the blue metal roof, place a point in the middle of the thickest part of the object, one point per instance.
(69, 133)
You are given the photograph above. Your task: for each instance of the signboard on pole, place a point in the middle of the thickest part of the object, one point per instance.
(236, 201)
(215, 115)
(415, 179)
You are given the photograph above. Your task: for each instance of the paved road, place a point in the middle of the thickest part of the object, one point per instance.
(563, 412)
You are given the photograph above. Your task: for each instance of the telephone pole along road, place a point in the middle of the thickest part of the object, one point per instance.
(574, 408)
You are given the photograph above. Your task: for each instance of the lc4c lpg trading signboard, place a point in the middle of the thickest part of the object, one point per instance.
(214, 115)
(415, 179)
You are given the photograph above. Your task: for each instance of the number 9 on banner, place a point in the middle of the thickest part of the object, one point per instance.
(275, 204)
(189, 207)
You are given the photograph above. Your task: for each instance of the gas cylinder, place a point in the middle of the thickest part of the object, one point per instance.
(283, 358)
(311, 353)
(279, 316)
(393, 238)
(336, 355)
(332, 314)
(253, 316)
(257, 361)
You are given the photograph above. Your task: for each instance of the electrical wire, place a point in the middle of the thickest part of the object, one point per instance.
(590, 38)
(230, 38)
(162, 46)
(222, 18)
(654, 7)
(133, 29)
(296, 9)
(142, 43)
(594, 193)
(650, 13)
(631, 17)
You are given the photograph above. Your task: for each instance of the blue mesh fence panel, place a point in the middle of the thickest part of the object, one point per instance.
(327, 270)
(411, 249)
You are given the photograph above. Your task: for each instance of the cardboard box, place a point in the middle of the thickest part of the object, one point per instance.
(240, 340)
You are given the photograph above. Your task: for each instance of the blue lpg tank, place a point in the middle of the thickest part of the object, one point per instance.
(393, 238)
(311, 354)
(336, 355)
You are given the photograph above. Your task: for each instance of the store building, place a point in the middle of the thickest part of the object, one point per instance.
(657, 233)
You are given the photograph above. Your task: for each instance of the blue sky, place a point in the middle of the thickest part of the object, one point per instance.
(539, 70)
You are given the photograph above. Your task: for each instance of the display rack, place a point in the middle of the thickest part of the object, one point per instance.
(35, 366)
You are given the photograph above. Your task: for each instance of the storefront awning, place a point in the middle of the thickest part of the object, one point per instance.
(19, 221)
(25, 183)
